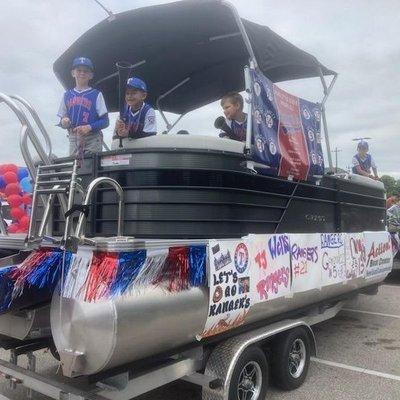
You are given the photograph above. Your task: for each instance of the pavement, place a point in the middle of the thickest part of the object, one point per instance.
(358, 356)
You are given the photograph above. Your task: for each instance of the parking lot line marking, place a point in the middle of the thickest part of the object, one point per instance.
(371, 313)
(357, 369)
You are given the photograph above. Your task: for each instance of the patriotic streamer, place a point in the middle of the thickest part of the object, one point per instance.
(152, 269)
(6, 287)
(33, 281)
(92, 276)
(130, 263)
(77, 273)
(176, 270)
(101, 275)
(20, 275)
(48, 272)
(198, 262)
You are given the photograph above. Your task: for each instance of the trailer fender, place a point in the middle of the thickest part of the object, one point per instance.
(223, 358)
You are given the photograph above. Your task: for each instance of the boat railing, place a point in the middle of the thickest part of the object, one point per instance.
(28, 134)
(79, 232)
(27, 128)
(3, 225)
(38, 122)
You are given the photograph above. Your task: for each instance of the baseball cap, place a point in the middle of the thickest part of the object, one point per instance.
(82, 61)
(136, 83)
(363, 145)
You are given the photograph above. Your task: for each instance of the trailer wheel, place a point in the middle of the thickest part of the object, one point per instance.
(249, 379)
(291, 359)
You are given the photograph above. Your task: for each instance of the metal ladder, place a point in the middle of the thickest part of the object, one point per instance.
(52, 180)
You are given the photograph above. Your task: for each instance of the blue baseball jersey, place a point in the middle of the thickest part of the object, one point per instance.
(84, 107)
(141, 123)
(365, 164)
(239, 129)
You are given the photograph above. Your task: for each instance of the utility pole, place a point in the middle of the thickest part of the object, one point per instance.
(336, 157)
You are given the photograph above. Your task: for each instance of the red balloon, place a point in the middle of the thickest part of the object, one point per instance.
(17, 213)
(27, 199)
(3, 169)
(10, 177)
(11, 168)
(13, 228)
(24, 222)
(12, 188)
(14, 200)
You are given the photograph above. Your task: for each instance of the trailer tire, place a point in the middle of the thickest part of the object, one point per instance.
(290, 359)
(250, 374)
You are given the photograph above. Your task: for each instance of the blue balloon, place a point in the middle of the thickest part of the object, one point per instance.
(22, 173)
(2, 182)
(26, 185)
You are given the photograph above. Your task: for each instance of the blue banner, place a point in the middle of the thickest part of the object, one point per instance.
(286, 130)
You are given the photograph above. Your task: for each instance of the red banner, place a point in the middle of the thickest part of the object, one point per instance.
(295, 159)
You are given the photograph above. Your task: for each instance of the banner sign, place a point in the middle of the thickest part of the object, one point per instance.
(333, 259)
(355, 255)
(378, 247)
(286, 130)
(229, 286)
(306, 261)
(270, 266)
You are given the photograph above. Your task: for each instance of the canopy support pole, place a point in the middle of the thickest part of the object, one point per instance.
(243, 32)
(115, 74)
(327, 91)
(249, 101)
(111, 15)
(248, 83)
(162, 96)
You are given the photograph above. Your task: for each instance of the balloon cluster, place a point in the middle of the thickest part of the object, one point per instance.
(16, 189)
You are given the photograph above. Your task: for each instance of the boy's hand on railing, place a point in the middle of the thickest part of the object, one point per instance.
(121, 129)
(65, 123)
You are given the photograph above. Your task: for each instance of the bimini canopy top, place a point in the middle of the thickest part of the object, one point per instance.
(196, 42)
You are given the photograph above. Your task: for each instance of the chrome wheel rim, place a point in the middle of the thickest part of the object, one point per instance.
(297, 358)
(250, 382)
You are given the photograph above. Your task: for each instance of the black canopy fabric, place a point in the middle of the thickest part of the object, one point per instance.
(199, 40)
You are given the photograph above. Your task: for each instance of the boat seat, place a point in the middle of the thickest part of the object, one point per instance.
(182, 142)
(362, 180)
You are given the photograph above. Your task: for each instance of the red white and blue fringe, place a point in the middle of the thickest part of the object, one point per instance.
(96, 275)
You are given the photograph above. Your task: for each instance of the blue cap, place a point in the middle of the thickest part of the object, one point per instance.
(363, 145)
(136, 83)
(82, 61)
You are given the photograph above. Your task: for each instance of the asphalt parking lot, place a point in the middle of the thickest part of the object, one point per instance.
(358, 356)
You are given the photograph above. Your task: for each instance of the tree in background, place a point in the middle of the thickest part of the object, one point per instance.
(391, 185)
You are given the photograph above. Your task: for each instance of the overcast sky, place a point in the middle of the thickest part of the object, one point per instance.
(358, 39)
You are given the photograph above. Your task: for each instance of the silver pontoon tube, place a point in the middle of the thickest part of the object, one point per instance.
(93, 337)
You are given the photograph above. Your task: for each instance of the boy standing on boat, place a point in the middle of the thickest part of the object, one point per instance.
(139, 118)
(83, 111)
(363, 162)
(236, 119)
